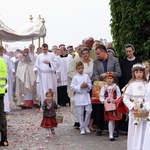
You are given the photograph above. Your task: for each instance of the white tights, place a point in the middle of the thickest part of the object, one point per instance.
(111, 127)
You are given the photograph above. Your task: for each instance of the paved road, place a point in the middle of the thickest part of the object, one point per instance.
(24, 133)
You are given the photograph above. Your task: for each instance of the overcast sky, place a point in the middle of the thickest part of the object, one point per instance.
(67, 21)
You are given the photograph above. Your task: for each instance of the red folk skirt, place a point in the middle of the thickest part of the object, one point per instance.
(48, 122)
(112, 115)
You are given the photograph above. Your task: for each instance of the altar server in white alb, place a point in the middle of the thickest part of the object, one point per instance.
(146, 143)
(62, 78)
(81, 85)
(134, 99)
(45, 67)
(8, 98)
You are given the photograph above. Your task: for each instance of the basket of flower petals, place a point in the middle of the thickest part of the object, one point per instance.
(59, 119)
(141, 114)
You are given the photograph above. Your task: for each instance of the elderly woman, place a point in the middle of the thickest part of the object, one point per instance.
(88, 68)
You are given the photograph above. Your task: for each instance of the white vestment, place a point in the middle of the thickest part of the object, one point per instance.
(47, 74)
(135, 91)
(62, 71)
(33, 56)
(8, 98)
(25, 82)
(146, 143)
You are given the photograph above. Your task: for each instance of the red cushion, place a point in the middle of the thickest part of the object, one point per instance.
(94, 99)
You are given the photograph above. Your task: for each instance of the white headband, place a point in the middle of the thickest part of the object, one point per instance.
(130, 45)
(110, 50)
(138, 65)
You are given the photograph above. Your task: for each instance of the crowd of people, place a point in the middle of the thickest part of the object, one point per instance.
(60, 76)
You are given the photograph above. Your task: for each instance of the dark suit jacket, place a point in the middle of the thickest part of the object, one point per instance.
(112, 65)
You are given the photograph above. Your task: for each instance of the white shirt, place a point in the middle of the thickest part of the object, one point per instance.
(82, 96)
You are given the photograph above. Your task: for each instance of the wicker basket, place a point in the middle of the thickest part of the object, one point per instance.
(141, 115)
(59, 119)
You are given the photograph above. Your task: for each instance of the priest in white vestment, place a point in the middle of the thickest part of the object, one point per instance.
(45, 67)
(26, 82)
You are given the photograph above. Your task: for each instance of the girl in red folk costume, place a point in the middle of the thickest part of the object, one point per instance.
(49, 114)
(108, 95)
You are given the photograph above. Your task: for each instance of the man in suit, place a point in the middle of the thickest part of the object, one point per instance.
(104, 63)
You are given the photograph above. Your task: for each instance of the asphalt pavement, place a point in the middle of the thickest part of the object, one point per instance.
(25, 133)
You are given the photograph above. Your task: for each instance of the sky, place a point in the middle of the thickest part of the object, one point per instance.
(67, 21)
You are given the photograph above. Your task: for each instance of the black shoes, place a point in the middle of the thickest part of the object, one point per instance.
(115, 135)
(4, 143)
(76, 125)
(99, 132)
(112, 139)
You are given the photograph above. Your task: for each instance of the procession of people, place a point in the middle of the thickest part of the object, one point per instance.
(61, 76)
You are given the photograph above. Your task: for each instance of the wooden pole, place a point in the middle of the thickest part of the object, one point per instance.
(32, 41)
(31, 18)
(43, 21)
(1, 41)
(43, 40)
(39, 44)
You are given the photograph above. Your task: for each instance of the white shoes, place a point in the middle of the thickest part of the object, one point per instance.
(82, 132)
(87, 130)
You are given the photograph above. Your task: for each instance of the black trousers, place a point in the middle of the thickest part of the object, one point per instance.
(62, 95)
(3, 121)
(98, 115)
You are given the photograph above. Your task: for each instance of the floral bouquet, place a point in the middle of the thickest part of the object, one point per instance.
(140, 113)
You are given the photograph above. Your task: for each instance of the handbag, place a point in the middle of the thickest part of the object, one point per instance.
(109, 106)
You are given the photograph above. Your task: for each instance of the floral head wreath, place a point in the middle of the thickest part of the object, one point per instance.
(110, 74)
(138, 66)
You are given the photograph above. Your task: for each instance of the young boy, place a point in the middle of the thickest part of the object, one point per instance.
(81, 85)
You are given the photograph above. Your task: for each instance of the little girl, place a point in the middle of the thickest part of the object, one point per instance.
(49, 114)
(108, 95)
(134, 100)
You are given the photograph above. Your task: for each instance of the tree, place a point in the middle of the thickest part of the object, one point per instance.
(130, 23)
